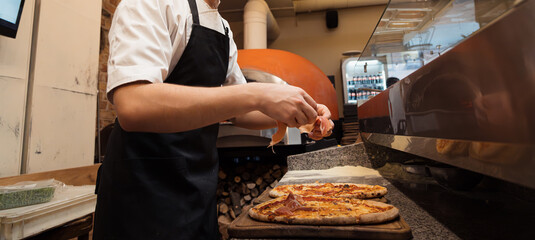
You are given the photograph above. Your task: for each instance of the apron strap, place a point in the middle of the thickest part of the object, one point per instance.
(194, 11)
(226, 28)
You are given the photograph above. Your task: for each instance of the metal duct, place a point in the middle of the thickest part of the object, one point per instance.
(259, 25)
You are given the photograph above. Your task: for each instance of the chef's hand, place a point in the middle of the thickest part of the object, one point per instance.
(323, 111)
(288, 104)
(323, 125)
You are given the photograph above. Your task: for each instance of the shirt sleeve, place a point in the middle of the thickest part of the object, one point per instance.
(140, 44)
(234, 73)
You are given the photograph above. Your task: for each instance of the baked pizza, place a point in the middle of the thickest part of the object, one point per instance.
(346, 190)
(321, 210)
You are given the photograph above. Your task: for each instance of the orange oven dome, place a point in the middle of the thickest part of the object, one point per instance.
(293, 69)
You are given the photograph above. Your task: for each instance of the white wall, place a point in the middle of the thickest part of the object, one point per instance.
(61, 131)
(14, 71)
(59, 71)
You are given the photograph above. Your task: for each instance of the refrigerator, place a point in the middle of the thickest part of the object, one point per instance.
(362, 79)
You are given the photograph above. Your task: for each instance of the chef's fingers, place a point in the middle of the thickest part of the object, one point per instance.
(324, 111)
(309, 111)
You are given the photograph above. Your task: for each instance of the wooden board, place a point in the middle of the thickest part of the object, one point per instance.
(245, 227)
(71, 176)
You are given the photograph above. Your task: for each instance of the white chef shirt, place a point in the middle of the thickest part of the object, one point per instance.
(148, 37)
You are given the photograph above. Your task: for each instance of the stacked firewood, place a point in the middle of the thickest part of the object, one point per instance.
(239, 186)
(350, 125)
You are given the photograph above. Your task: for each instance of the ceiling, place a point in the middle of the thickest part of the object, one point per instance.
(232, 10)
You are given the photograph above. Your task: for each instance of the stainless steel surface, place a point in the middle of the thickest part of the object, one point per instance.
(510, 162)
(472, 107)
(253, 75)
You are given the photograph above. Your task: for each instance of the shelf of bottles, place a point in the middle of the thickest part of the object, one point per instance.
(356, 84)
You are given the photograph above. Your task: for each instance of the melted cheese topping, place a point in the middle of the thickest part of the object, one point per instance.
(329, 189)
(314, 207)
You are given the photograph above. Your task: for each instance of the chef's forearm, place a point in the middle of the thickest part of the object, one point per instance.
(165, 108)
(254, 120)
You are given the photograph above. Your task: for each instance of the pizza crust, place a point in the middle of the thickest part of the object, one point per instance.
(377, 193)
(373, 218)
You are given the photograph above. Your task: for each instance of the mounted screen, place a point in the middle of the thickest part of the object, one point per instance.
(10, 13)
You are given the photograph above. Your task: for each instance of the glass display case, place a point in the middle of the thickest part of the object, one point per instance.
(411, 33)
(467, 84)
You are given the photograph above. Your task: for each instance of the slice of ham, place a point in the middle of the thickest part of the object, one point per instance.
(322, 127)
(293, 201)
(279, 135)
(284, 211)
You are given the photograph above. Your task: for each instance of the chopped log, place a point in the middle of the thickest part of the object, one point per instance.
(277, 174)
(237, 179)
(227, 201)
(273, 184)
(251, 185)
(235, 198)
(221, 174)
(267, 177)
(254, 192)
(224, 194)
(276, 166)
(242, 202)
(223, 208)
(237, 188)
(262, 186)
(247, 198)
(243, 189)
(224, 222)
(232, 214)
(259, 180)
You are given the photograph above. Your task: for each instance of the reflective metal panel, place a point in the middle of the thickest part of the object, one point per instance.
(507, 161)
(253, 75)
(480, 95)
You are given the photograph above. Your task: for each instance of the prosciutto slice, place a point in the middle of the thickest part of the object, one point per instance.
(293, 202)
(279, 135)
(322, 127)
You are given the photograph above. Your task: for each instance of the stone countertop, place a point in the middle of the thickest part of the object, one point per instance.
(432, 212)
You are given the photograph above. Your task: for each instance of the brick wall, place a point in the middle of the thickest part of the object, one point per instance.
(106, 110)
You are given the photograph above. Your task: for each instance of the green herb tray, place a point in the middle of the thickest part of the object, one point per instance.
(26, 196)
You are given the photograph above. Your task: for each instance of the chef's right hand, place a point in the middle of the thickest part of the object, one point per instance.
(288, 104)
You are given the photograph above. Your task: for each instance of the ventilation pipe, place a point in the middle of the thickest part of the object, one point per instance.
(259, 25)
(319, 5)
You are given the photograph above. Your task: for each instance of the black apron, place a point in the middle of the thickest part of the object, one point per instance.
(162, 186)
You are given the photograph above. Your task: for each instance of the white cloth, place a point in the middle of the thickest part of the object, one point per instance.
(148, 37)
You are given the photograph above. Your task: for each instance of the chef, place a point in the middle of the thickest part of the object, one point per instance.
(172, 77)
